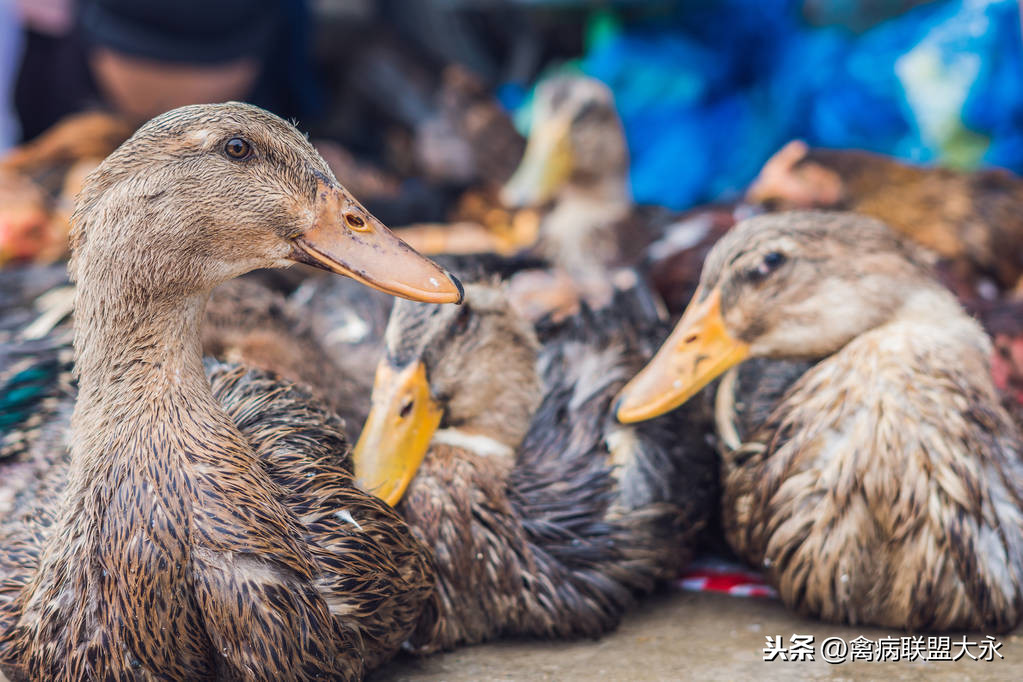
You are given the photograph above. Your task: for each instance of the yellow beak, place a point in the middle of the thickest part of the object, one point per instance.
(397, 433)
(545, 166)
(698, 350)
(347, 240)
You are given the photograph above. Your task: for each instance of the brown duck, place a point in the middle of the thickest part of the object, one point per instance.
(497, 443)
(191, 533)
(885, 484)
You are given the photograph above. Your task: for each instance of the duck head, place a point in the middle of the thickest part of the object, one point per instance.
(205, 193)
(791, 179)
(788, 285)
(576, 141)
(467, 373)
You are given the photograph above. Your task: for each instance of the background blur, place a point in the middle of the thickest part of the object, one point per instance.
(707, 90)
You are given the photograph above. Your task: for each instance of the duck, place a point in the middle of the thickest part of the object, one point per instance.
(466, 137)
(494, 439)
(970, 219)
(882, 483)
(575, 170)
(201, 521)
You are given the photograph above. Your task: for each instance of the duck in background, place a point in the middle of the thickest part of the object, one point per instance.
(884, 485)
(496, 442)
(973, 220)
(468, 139)
(576, 166)
(39, 180)
(257, 551)
(347, 321)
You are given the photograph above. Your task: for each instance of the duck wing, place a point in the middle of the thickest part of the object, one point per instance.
(374, 576)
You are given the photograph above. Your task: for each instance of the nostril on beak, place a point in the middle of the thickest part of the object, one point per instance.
(406, 408)
(356, 222)
(691, 338)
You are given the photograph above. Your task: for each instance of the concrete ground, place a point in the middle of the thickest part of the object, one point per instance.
(681, 635)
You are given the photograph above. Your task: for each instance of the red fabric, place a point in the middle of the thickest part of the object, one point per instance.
(714, 575)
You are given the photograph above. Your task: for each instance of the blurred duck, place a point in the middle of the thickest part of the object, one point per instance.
(884, 485)
(1004, 321)
(252, 324)
(576, 161)
(203, 523)
(497, 444)
(468, 139)
(38, 182)
(346, 322)
(974, 220)
(576, 166)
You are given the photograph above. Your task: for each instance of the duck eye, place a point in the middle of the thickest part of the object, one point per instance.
(771, 262)
(237, 148)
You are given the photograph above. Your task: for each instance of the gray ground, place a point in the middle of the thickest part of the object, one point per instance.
(694, 636)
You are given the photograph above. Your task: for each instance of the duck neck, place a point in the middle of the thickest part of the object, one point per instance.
(128, 342)
(607, 199)
(497, 432)
(499, 420)
(579, 232)
(138, 358)
(935, 307)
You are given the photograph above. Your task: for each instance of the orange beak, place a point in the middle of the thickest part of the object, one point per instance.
(347, 240)
(698, 350)
(398, 431)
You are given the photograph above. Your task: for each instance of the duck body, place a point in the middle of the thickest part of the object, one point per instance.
(200, 522)
(346, 323)
(869, 467)
(249, 323)
(881, 478)
(546, 517)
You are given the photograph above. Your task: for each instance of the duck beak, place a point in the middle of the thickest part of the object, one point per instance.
(697, 351)
(347, 240)
(545, 166)
(398, 431)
